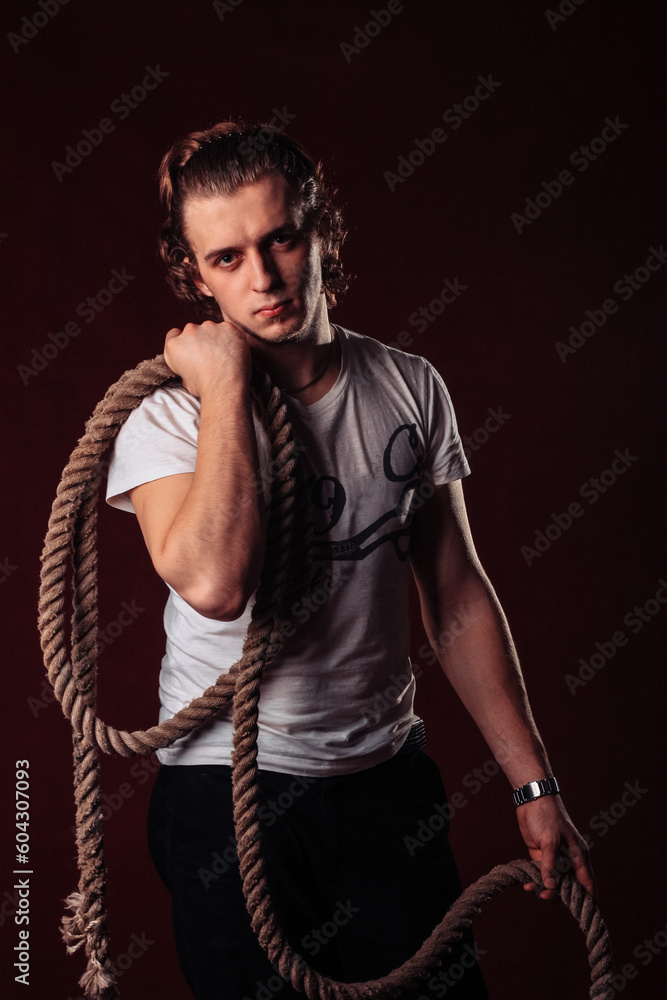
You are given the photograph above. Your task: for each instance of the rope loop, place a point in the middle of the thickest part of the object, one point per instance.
(70, 552)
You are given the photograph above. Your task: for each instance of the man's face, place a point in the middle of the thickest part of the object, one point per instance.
(256, 261)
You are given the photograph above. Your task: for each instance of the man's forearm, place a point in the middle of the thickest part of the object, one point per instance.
(215, 545)
(474, 646)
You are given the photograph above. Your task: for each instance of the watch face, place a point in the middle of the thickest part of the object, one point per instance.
(535, 790)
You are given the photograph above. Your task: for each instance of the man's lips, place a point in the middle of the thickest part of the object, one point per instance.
(273, 310)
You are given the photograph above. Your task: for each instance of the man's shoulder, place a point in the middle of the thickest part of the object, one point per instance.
(366, 346)
(170, 399)
(169, 410)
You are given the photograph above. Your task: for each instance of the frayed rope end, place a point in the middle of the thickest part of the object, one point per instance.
(72, 928)
(97, 982)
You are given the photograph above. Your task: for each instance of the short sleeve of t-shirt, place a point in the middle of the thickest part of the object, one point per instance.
(158, 439)
(445, 460)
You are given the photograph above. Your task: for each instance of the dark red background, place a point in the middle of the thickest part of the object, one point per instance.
(494, 346)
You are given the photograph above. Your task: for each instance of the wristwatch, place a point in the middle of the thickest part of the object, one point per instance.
(535, 790)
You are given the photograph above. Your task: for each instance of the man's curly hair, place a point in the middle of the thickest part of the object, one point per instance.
(219, 160)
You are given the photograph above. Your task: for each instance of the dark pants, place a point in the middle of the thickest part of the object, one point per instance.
(356, 882)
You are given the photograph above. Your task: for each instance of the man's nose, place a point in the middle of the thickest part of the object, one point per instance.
(265, 274)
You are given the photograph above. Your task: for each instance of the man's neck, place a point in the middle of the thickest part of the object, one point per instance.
(321, 385)
(305, 369)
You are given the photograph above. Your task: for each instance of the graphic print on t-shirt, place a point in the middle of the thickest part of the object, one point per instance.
(328, 494)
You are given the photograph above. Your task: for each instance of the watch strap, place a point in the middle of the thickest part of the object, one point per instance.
(535, 790)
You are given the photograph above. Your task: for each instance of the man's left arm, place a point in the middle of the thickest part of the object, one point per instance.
(467, 628)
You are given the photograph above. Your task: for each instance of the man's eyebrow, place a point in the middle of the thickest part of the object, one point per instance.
(286, 227)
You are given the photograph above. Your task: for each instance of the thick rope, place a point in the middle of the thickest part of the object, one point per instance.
(71, 538)
(71, 541)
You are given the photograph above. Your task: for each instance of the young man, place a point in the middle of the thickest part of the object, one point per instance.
(253, 238)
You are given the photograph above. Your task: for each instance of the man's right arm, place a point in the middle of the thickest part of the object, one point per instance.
(205, 530)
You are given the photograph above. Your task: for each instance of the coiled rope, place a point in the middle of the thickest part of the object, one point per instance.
(70, 546)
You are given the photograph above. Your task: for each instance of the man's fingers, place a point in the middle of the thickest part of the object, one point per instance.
(532, 887)
(584, 873)
(171, 335)
(548, 866)
(542, 893)
(579, 860)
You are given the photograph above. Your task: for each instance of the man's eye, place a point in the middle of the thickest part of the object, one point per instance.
(227, 258)
(282, 238)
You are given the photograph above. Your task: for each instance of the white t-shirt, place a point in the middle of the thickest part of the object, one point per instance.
(339, 696)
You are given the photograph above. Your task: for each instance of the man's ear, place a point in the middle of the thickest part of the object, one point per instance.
(199, 282)
(203, 287)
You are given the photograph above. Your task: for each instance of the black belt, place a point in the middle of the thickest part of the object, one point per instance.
(416, 738)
